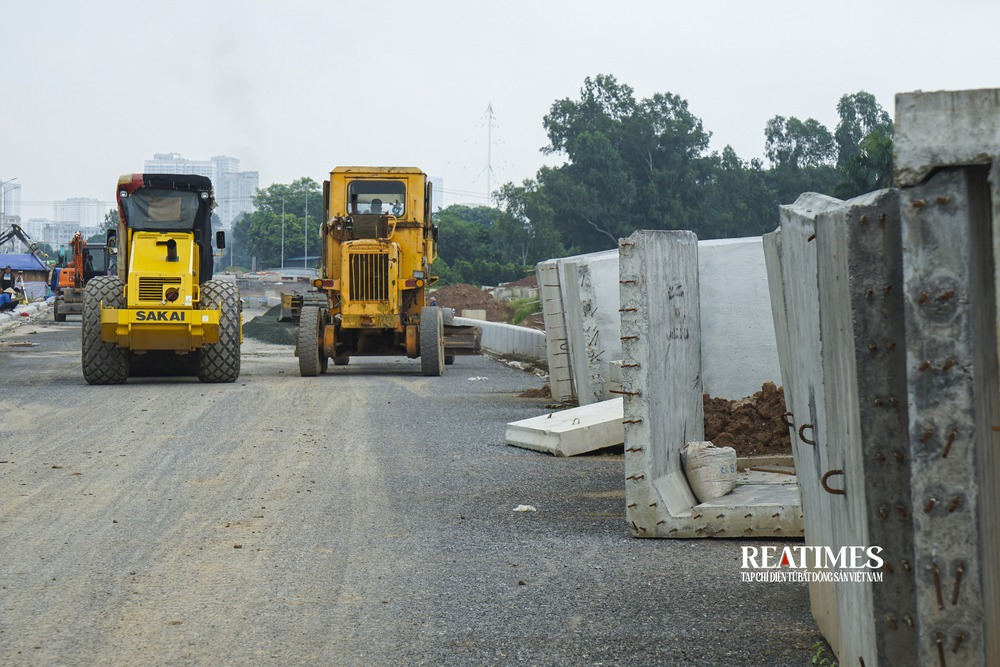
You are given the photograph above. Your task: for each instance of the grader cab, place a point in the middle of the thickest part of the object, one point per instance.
(163, 313)
(378, 247)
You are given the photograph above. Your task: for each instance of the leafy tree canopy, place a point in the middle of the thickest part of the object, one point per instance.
(284, 224)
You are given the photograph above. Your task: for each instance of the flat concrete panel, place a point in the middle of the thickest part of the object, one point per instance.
(779, 315)
(589, 286)
(944, 129)
(864, 364)
(556, 343)
(804, 386)
(738, 349)
(571, 432)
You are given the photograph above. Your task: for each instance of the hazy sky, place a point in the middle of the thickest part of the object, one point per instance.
(293, 88)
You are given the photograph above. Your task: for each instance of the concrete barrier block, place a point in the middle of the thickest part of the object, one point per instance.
(509, 340)
(474, 314)
(738, 348)
(570, 432)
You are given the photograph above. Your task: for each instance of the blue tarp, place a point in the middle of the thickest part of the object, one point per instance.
(21, 262)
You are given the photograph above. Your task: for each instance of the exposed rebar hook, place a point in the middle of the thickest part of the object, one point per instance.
(830, 489)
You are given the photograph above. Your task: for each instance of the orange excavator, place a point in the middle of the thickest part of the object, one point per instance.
(88, 260)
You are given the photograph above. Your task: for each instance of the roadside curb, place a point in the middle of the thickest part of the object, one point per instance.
(12, 319)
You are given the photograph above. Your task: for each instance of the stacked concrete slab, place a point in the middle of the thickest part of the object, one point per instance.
(885, 312)
(661, 373)
(580, 303)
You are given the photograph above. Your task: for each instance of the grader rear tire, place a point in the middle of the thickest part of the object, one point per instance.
(312, 360)
(103, 363)
(431, 341)
(220, 362)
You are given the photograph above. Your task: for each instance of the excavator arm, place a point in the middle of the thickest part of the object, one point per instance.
(15, 231)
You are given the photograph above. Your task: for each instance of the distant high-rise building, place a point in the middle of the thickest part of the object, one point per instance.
(234, 189)
(57, 233)
(173, 163)
(10, 203)
(81, 211)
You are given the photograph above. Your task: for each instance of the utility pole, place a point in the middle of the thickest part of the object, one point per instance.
(489, 151)
(3, 200)
(282, 232)
(305, 235)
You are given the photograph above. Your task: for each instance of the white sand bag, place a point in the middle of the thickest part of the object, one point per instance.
(710, 470)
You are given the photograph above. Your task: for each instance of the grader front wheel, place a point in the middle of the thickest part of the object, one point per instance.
(312, 359)
(431, 341)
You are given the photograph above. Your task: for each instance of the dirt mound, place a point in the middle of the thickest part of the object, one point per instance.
(527, 281)
(753, 426)
(268, 329)
(540, 392)
(468, 297)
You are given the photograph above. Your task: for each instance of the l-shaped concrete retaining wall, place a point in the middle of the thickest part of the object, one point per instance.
(886, 316)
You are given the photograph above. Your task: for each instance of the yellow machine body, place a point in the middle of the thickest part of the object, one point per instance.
(163, 274)
(376, 263)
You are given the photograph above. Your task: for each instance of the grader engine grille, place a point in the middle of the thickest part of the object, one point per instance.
(369, 278)
(151, 288)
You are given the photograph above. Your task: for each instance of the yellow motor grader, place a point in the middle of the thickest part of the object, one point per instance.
(378, 247)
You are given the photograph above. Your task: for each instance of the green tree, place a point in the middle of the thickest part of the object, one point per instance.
(802, 154)
(860, 115)
(110, 219)
(465, 232)
(864, 139)
(790, 142)
(739, 194)
(291, 211)
(47, 251)
(630, 164)
(473, 247)
(525, 231)
(237, 246)
(869, 169)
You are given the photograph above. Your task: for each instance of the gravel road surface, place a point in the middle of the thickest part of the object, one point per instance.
(363, 517)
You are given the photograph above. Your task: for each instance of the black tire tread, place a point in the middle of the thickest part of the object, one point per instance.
(103, 363)
(431, 341)
(312, 361)
(220, 362)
